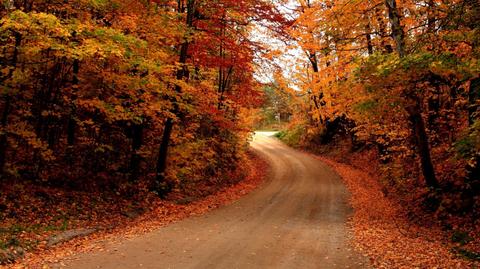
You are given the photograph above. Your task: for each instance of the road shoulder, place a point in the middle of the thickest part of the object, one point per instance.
(385, 234)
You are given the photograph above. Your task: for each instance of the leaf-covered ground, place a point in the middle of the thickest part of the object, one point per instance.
(385, 232)
(115, 218)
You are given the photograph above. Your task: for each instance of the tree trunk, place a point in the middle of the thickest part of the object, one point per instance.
(473, 96)
(397, 31)
(161, 186)
(7, 106)
(421, 142)
(3, 136)
(431, 18)
(473, 177)
(135, 160)
(369, 39)
(473, 167)
(413, 108)
(312, 56)
(72, 123)
(368, 34)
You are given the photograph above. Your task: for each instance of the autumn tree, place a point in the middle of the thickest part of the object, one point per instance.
(152, 91)
(402, 73)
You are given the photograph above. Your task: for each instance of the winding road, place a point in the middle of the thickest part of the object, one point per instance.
(297, 219)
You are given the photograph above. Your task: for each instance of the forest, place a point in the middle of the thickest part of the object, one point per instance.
(121, 99)
(111, 108)
(393, 87)
(125, 84)
(401, 80)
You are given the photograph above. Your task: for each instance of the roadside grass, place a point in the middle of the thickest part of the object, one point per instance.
(292, 137)
(13, 235)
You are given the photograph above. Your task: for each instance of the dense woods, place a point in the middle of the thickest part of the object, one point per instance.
(105, 94)
(393, 87)
(128, 99)
(104, 103)
(400, 79)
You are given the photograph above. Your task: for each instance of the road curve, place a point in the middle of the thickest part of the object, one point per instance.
(295, 220)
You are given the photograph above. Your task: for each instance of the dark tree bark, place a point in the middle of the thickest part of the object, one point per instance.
(135, 159)
(473, 97)
(421, 141)
(161, 186)
(224, 76)
(312, 57)
(398, 34)
(3, 136)
(369, 40)
(7, 107)
(473, 167)
(473, 178)
(72, 123)
(413, 106)
(368, 35)
(431, 18)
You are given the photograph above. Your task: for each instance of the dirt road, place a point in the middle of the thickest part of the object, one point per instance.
(295, 220)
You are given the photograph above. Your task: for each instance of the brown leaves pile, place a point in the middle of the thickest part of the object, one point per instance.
(160, 213)
(383, 232)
